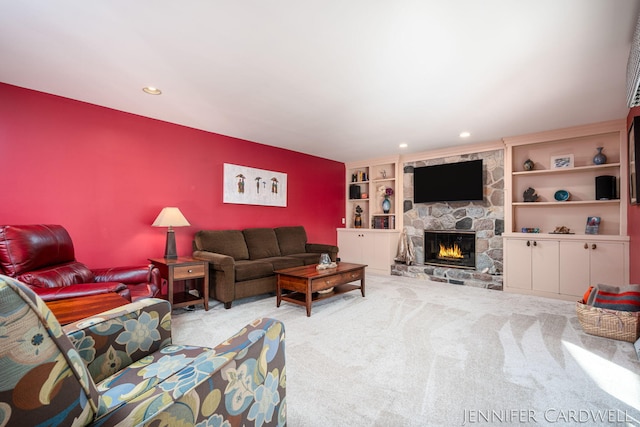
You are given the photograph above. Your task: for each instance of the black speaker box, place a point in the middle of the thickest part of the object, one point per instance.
(354, 191)
(606, 187)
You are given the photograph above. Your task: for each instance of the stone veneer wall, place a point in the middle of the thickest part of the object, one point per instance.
(486, 218)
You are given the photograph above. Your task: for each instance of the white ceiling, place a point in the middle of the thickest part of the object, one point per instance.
(339, 79)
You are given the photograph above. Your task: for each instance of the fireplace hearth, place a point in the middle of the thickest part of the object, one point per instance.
(451, 248)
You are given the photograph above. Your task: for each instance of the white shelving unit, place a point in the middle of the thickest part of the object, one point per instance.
(370, 176)
(564, 265)
(374, 242)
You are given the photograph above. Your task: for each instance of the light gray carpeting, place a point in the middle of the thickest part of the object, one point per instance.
(419, 353)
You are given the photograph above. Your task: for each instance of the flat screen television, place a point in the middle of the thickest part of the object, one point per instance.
(450, 182)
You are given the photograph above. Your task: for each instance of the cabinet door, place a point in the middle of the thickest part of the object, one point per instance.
(517, 263)
(607, 263)
(379, 250)
(589, 263)
(574, 268)
(350, 246)
(545, 262)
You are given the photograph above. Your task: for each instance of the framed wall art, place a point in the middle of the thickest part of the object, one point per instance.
(251, 186)
(561, 162)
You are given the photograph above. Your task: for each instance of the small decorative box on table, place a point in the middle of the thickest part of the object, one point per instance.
(184, 268)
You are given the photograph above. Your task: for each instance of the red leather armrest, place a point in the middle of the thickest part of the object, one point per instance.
(128, 275)
(79, 290)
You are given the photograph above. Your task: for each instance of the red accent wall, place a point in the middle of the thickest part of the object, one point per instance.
(105, 175)
(633, 224)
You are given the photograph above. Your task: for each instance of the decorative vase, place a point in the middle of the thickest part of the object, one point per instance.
(600, 158)
(528, 165)
(386, 205)
(357, 222)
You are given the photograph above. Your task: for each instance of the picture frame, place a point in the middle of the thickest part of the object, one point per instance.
(251, 186)
(634, 179)
(593, 225)
(563, 161)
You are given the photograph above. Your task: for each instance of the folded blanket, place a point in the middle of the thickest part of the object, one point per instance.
(623, 298)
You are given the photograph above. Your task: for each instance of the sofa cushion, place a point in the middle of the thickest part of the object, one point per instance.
(227, 242)
(247, 270)
(280, 262)
(291, 240)
(164, 369)
(261, 242)
(71, 273)
(307, 258)
(32, 247)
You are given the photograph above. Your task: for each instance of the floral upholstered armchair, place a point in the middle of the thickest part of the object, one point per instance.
(121, 368)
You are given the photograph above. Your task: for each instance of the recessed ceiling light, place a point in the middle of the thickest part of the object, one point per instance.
(465, 134)
(403, 145)
(151, 90)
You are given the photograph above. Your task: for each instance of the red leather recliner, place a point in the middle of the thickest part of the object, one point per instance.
(42, 256)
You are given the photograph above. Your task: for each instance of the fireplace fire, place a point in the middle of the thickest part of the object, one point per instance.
(453, 252)
(450, 248)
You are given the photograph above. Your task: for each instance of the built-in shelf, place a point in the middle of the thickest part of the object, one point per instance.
(568, 170)
(563, 265)
(567, 203)
(364, 178)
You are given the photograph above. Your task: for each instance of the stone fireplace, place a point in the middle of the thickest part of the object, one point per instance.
(484, 220)
(450, 248)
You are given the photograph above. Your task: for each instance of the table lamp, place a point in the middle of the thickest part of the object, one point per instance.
(170, 217)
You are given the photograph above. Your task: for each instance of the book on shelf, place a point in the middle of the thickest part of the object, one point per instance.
(387, 222)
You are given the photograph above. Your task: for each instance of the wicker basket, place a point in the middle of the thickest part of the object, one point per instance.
(619, 325)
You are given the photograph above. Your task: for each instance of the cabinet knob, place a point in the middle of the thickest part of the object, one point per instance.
(586, 246)
(528, 243)
(190, 271)
(593, 246)
(535, 243)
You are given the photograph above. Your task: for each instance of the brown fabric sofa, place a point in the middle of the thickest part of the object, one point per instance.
(242, 262)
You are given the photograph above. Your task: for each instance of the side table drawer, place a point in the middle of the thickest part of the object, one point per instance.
(188, 272)
(337, 279)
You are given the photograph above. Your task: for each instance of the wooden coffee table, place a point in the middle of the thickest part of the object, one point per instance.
(304, 283)
(71, 310)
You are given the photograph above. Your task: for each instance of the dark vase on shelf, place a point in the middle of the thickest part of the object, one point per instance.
(600, 158)
(357, 222)
(528, 165)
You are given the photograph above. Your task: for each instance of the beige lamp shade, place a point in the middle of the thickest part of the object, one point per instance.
(170, 217)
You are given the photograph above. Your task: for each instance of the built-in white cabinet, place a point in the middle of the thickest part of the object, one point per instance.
(532, 264)
(590, 262)
(375, 248)
(564, 265)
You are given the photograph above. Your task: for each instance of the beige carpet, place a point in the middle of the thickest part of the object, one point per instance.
(418, 353)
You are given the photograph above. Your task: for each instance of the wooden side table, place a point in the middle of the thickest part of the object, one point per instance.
(71, 310)
(184, 268)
